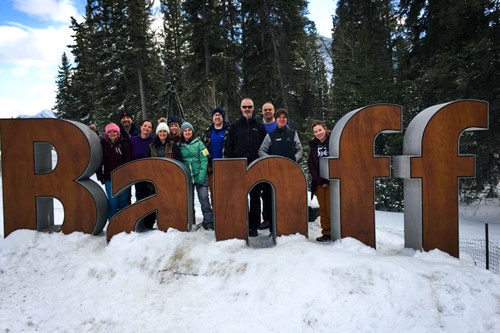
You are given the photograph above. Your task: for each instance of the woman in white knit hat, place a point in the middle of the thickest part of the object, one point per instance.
(162, 145)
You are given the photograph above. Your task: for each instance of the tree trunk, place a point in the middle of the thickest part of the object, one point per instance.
(141, 91)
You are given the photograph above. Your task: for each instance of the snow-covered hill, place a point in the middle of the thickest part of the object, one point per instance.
(187, 282)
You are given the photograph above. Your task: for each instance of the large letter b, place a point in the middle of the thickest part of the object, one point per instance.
(79, 154)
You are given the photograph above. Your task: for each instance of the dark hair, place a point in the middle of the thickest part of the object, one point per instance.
(148, 120)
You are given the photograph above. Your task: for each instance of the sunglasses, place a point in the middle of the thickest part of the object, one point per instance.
(268, 109)
(247, 106)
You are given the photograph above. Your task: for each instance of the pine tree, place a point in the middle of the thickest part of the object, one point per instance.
(450, 50)
(277, 62)
(173, 53)
(117, 63)
(364, 74)
(65, 106)
(212, 62)
(362, 54)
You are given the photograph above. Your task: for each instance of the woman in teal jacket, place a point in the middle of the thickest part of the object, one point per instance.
(195, 157)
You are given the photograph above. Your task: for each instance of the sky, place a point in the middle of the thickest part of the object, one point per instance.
(187, 282)
(35, 33)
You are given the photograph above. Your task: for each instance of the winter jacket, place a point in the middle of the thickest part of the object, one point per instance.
(140, 146)
(207, 137)
(175, 138)
(134, 130)
(282, 142)
(313, 162)
(244, 139)
(168, 149)
(195, 157)
(113, 155)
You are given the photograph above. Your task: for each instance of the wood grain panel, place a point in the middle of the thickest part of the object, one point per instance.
(173, 201)
(233, 182)
(356, 168)
(440, 167)
(83, 200)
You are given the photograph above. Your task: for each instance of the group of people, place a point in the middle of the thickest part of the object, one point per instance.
(247, 137)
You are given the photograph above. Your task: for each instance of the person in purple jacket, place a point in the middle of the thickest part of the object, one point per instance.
(139, 144)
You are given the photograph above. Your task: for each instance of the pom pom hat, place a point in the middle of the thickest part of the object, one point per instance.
(162, 127)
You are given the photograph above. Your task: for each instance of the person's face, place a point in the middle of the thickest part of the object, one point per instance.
(217, 118)
(174, 128)
(146, 129)
(162, 134)
(268, 112)
(247, 108)
(188, 133)
(113, 135)
(126, 121)
(281, 120)
(319, 132)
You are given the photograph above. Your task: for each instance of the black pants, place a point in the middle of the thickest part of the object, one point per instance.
(144, 190)
(254, 212)
(267, 202)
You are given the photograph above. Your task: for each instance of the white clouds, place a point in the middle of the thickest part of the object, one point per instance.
(24, 46)
(48, 10)
(29, 60)
(26, 90)
(29, 57)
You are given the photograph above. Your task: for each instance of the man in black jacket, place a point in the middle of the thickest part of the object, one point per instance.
(243, 140)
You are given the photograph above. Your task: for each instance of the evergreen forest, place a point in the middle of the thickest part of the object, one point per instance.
(185, 58)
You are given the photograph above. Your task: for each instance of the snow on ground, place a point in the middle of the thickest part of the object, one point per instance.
(186, 282)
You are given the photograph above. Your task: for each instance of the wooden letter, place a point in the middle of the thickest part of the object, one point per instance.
(352, 169)
(28, 178)
(173, 201)
(431, 166)
(233, 182)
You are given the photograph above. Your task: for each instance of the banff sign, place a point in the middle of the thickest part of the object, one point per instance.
(431, 166)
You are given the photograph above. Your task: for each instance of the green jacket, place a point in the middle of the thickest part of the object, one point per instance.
(195, 156)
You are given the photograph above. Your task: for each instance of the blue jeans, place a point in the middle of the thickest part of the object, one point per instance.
(206, 208)
(115, 203)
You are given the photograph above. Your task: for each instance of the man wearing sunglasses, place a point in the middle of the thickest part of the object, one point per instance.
(243, 140)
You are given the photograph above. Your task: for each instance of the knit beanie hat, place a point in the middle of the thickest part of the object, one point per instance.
(186, 125)
(173, 119)
(112, 127)
(162, 126)
(218, 110)
(280, 112)
(125, 114)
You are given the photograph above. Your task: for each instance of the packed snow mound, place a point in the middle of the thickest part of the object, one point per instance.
(187, 282)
